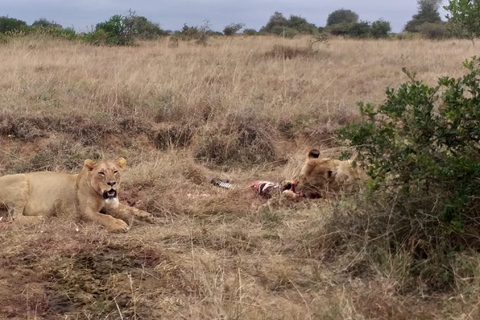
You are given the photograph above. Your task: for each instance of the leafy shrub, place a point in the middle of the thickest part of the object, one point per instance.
(464, 16)
(141, 28)
(115, 31)
(433, 30)
(276, 20)
(427, 12)
(421, 149)
(288, 33)
(123, 30)
(426, 139)
(380, 29)
(98, 37)
(301, 25)
(3, 39)
(233, 28)
(11, 25)
(250, 32)
(44, 23)
(64, 33)
(340, 29)
(199, 34)
(359, 30)
(292, 26)
(341, 16)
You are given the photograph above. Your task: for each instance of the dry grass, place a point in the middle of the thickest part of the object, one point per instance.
(182, 115)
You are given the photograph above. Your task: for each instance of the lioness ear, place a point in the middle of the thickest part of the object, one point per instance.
(121, 163)
(314, 154)
(89, 164)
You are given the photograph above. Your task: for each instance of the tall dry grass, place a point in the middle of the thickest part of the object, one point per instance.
(234, 109)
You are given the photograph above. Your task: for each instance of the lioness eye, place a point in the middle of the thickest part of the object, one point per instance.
(115, 172)
(102, 173)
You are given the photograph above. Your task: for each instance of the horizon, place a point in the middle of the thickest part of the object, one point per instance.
(83, 18)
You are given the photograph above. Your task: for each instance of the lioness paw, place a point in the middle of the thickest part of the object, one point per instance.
(118, 226)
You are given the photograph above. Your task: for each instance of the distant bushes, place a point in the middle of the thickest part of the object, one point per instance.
(118, 30)
(11, 25)
(362, 29)
(123, 30)
(433, 30)
(281, 26)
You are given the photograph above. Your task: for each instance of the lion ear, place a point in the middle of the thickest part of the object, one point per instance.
(314, 154)
(89, 164)
(121, 163)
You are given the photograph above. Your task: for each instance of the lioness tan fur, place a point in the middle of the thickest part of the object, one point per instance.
(323, 176)
(92, 194)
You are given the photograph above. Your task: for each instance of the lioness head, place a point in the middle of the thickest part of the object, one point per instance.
(316, 175)
(105, 178)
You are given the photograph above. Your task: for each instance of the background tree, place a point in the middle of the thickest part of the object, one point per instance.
(433, 31)
(342, 16)
(141, 28)
(114, 31)
(360, 29)
(427, 12)
(301, 25)
(275, 21)
(281, 26)
(464, 15)
(380, 29)
(44, 23)
(10, 24)
(232, 28)
(250, 32)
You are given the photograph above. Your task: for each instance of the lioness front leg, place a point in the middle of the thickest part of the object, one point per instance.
(108, 221)
(127, 213)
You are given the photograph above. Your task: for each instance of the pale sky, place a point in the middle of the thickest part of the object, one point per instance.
(83, 14)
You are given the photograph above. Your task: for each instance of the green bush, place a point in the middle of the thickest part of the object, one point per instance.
(64, 33)
(250, 32)
(421, 148)
(294, 25)
(433, 30)
(276, 20)
(3, 39)
(341, 16)
(198, 34)
(232, 29)
(98, 37)
(339, 29)
(115, 31)
(44, 23)
(427, 12)
(464, 17)
(301, 25)
(11, 25)
(141, 28)
(380, 29)
(360, 29)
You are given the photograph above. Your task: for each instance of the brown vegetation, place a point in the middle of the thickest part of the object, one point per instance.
(233, 109)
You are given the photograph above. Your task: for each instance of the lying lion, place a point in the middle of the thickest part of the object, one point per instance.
(92, 194)
(322, 176)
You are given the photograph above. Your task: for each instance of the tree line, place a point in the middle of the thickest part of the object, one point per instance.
(462, 21)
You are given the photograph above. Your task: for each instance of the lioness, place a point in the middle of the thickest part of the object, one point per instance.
(321, 176)
(93, 194)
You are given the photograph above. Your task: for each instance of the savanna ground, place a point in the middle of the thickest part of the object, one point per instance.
(182, 115)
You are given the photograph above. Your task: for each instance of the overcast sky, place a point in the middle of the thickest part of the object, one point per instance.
(83, 14)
